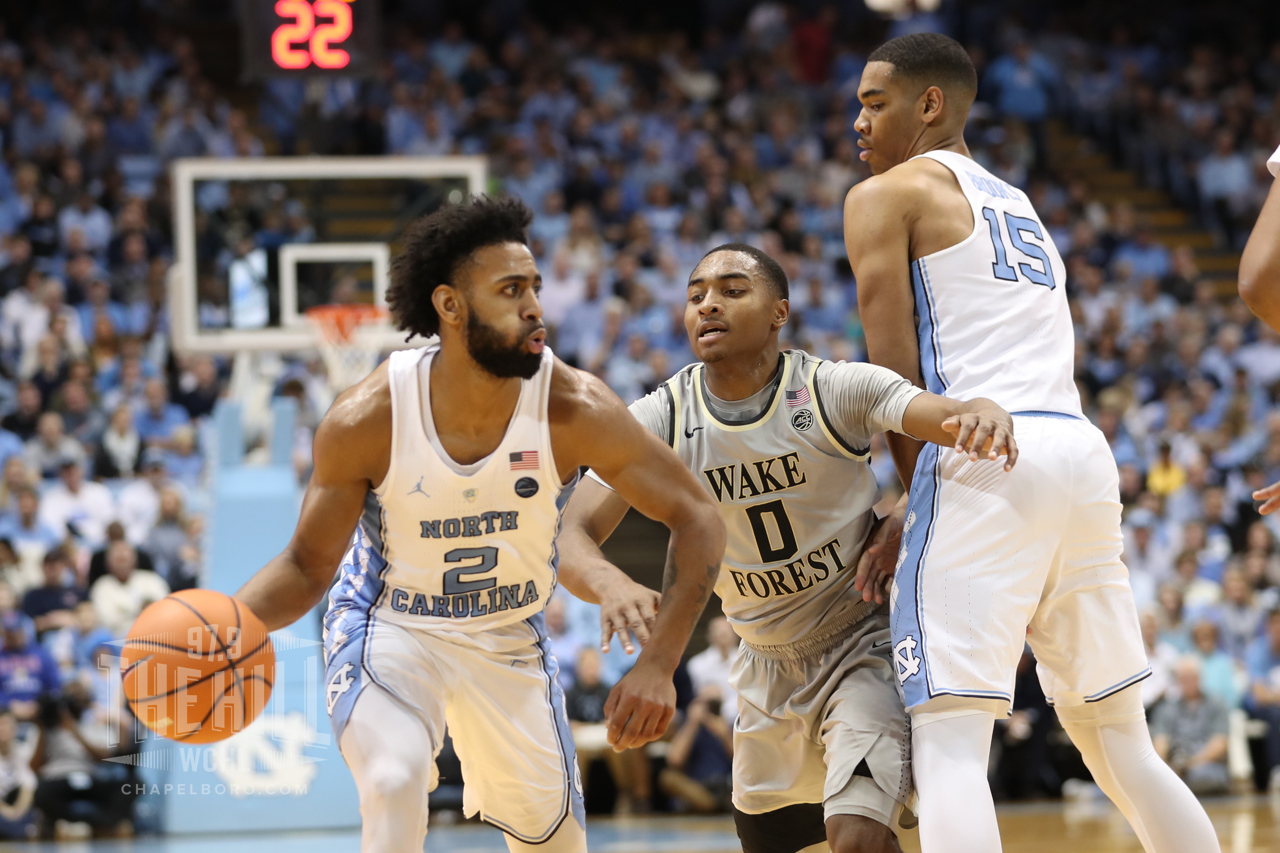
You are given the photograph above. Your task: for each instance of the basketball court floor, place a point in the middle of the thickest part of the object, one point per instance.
(1244, 824)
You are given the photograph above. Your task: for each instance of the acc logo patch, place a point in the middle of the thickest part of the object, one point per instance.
(526, 487)
(802, 420)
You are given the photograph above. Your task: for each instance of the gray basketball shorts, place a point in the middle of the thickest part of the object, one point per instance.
(826, 727)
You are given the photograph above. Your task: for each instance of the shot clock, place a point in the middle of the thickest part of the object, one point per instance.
(309, 37)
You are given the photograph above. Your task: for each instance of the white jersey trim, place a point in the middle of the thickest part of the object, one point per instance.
(836, 441)
(779, 391)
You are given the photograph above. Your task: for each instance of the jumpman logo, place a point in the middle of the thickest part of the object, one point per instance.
(417, 490)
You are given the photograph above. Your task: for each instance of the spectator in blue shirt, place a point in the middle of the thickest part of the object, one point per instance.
(35, 132)
(1262, 662)
(99, 303)
(157, 420)
(10, 445)
(24, 528)
(27, 670)
(700, 758)
(52, 605)
(1143, 257)
(1022, 84)
(129, 132)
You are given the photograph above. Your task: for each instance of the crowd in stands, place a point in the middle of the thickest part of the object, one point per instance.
(639, 150)
(100, 466)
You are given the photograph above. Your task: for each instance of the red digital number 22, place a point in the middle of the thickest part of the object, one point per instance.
(320, 38)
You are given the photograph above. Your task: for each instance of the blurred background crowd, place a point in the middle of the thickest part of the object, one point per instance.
(641, 143)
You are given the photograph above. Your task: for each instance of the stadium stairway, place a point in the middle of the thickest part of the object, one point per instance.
(1079, 157)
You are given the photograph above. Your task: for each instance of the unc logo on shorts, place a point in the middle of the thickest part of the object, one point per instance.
(802, 420)
(339, 684)
(905, 660)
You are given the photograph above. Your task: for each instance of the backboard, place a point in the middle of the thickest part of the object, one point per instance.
(260, 241)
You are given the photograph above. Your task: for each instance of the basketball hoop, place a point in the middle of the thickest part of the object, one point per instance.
(348, 356)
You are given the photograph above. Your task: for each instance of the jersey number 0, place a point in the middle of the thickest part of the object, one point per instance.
(764, 542)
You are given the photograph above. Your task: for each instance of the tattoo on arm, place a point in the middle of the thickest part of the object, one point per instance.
(669, 574)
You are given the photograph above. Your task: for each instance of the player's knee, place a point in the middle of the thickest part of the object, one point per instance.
(395, 784)
(859, 834)
(1124, 706)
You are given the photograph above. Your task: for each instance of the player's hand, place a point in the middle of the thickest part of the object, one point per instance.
(988, 430)
(879, 557)
(626, 609)
(640, 707)
(1270, 496)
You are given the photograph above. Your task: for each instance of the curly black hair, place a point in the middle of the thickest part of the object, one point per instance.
(436, 245)
(930, 59)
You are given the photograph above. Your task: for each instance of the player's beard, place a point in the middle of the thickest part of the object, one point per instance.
(504, 360)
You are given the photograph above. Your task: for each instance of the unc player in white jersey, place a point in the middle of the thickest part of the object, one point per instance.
(780, 439)
(961, 289)
(452, 464)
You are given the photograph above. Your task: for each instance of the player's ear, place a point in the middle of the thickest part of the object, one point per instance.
(781, 313)
(448, 303)
(931, 104)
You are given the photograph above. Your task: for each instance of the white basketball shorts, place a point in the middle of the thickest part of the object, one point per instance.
(992, 560)
(499, 695)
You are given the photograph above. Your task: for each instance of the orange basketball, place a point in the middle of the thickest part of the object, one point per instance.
(198, 666)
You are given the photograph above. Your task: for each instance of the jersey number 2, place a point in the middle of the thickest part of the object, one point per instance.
(1018, 228)
(453, 583)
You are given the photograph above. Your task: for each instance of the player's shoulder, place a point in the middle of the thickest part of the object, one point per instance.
(575, 394)
(360, 418)
(905, 185)
(839, 374)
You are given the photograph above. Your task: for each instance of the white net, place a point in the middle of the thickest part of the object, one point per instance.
(343, 338)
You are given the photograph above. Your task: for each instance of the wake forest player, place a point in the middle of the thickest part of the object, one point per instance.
(779, 439)
(456, 460)
(961, 288)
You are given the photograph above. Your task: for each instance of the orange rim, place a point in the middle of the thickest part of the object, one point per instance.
(339, 322)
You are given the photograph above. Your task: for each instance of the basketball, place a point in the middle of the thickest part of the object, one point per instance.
(197, 666)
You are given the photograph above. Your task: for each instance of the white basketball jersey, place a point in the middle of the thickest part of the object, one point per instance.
(458, 547)
(992, 315)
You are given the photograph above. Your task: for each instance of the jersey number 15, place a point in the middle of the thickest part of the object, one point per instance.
(1019, 228)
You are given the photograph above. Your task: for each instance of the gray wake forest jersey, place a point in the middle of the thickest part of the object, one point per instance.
(795, 489)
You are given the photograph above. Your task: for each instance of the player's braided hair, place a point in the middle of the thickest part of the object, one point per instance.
(437, 245)
(930, 59)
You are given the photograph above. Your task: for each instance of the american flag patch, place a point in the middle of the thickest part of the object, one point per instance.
(525, 459)
(798, 398)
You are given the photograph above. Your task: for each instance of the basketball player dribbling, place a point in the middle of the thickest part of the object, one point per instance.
(452, 464)
(821, 746)
(960, 285)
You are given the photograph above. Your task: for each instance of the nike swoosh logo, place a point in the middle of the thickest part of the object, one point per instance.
(688, 433)
(878, 645)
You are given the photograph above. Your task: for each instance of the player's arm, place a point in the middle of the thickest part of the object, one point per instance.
(1260, 287)
(351, 450)
(626, 607)
(866, 399)
(877, 238)
(1260, 263)
(977, 426)
(648, 476)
